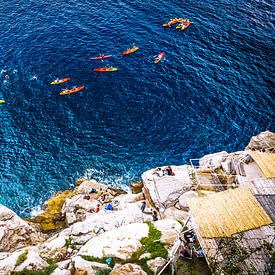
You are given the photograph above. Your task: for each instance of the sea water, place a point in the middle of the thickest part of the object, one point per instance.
(211, 92)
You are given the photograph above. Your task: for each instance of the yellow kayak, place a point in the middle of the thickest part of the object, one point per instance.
(132, 50)
(2, 101)
(105, 69)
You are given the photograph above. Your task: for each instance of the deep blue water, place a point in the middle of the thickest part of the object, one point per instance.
(212, 92)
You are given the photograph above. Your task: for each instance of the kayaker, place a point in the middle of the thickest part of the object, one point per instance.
(157, 59)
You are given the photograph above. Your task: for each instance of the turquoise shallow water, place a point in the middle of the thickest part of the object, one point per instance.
(212, 92)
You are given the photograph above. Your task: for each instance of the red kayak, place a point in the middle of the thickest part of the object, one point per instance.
(100, 57)
(159, 58)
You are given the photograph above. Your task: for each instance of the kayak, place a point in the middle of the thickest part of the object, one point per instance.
(159, 58)
(132, 50)
(183, 26)
(61, 81)
(72, 91)
(105, 70)
(100, 57)
(173, 22)
(2, 101)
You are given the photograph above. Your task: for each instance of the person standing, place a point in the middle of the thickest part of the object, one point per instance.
(143, 206)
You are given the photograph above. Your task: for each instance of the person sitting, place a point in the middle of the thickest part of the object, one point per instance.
(158, 172)
(198, 252)
(168, 171)
(97, 208)
(109, 207)
(155, 216)
(184, 252)
(143, 206)
(93, 190)
(189, 237)
(248, 159)
(86, 197)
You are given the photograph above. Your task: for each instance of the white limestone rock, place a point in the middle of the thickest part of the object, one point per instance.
(76, 208)
(15, 232)
(33, 262)
(176, 214)
(169, 230)
(145, 256)
(183, 199)
(128, 269)
(64, 264)
(59, 271)
(87, 185)
(121, 242)
(108, 220)
(90, 267)
(123, 200)
(264, 140)
(165, 191)
(213, 160)
(55, 243)
(156, 264)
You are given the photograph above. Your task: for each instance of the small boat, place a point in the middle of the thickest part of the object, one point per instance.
(132, 50)
(105, 69)
(159, 58)
(173, 22)
(59, 81)
(2, 101)
(72, 91)
(184, 25)
(100, 57)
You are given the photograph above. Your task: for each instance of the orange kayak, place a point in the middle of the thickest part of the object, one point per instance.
(173, 22)
(72, 91)
(159, 58)
(59, 81)
(132, 50)
(184, 25)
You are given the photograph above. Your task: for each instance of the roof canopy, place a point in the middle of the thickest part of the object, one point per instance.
(226, 213)
(266, 162)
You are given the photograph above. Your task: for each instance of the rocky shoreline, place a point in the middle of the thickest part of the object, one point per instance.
(76, 234)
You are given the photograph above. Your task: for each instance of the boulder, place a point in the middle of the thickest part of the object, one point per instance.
(59, 271)
(263, 141)
(52, 218)
(165, 191)
(156, 264)
(145, 256)
(183, 199)
(76, 208)
(169, 230)
(122, 201)
(136, 187)
(128, 269)
(213, 161)
(91, 268)
(64, 264)
(121, 242)
(87, 185)
(176, 214)
(33, 261)
(15, 232)
(107, 220)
